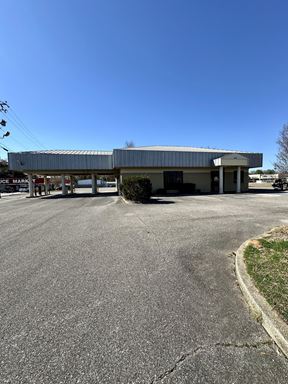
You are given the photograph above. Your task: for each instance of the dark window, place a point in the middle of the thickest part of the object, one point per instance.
(235, 177)
(173, 179)
(215, 181)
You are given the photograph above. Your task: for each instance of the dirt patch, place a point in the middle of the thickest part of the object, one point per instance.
(255, 243)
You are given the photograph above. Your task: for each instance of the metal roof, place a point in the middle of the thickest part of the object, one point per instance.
(138, 157)
(176, 148)
(160, 158)
(59, 161)
(68, 152)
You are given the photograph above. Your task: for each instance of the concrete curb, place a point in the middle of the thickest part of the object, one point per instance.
(4, 194)
(126, 201)
(261, 310)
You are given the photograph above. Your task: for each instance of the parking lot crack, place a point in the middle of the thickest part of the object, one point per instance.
(180, 361)
(194, 352)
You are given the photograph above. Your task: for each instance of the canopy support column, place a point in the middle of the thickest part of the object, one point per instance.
(64, 192)
(239, 179)
(94, 184)
(30, 184)
(45, 185)
(221, 179)
(71, 184)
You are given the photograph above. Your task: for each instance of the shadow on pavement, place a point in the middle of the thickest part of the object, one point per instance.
(158, 201)
(78, 195)
(264, 190)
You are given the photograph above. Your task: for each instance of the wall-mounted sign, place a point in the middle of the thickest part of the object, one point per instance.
(13, 181)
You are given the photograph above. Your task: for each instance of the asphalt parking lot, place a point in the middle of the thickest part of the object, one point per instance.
(94, 290)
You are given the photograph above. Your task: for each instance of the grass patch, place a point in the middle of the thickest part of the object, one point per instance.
(267, 264)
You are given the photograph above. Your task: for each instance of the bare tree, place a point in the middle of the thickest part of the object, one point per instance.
(129, 144)
(281, 164)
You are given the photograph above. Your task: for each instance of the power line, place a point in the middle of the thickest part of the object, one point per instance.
(11, 149)
(5, 148)
(20, 144)
(12, 138)
(18, 123)
(18, 127)
(3, 108)
(17, 118)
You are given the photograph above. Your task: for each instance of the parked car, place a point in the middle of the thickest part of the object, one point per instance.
(280, 184)
(24, 189)
(59, 188)
(9, 189)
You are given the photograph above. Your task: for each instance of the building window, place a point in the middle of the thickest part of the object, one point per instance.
(173, 179)
(235, 177)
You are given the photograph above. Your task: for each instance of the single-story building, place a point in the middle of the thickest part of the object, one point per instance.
(169, 168)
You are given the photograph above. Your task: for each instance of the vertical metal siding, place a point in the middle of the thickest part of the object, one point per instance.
(121, 158)
(40, 161)
(137, 158)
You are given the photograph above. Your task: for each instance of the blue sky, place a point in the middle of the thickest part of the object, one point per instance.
(91, 74)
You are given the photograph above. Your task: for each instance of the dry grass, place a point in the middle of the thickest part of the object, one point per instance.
(267, 264)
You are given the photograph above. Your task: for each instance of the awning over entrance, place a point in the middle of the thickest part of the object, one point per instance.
(231, 159)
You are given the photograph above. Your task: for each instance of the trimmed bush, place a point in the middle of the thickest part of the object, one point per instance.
(187, 188)
(136, 188)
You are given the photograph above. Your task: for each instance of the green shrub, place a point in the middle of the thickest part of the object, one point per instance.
(136, 188)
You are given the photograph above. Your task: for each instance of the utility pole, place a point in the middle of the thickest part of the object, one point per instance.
(3, 108)
(7, 133)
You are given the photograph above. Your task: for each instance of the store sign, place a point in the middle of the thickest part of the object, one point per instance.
(13, 181)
